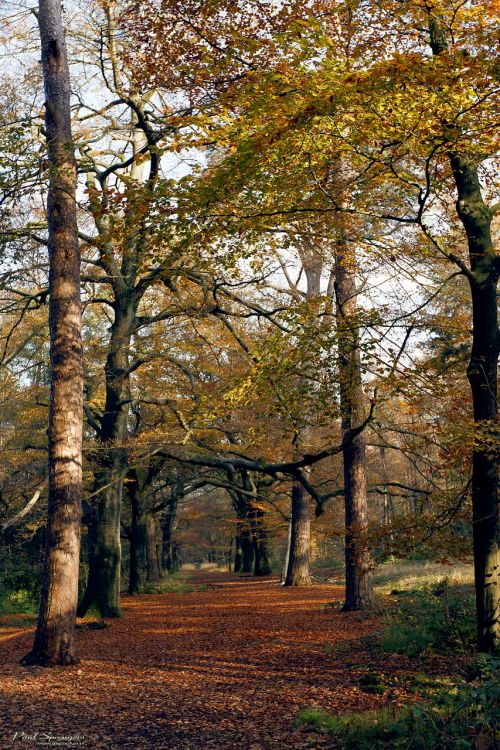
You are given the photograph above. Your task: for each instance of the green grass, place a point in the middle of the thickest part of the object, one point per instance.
(435, 619)
(175, 583)
(428, 608)
(403, 575)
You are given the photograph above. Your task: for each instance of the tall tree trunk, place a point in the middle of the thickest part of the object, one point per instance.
(103, 584)
(167, 528)
(258, 532)
(54, 637)
(244, 534)
(153, 561)
(138, 534)
(298, 562)
(286, 558)
(484, 263)
(482, 374)
(262, 565)
(238, 552)
(358, 561)
(298, 550)
(247, 550)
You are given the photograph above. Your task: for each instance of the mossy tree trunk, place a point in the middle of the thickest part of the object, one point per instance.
(103, 584)
(137, 486)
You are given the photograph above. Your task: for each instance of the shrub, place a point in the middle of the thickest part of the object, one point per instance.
(20, 601)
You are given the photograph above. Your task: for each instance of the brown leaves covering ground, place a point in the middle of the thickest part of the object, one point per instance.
(226, 667)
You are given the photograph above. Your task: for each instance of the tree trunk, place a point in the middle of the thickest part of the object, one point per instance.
(138, 536)
(244, 535)
(104, 579)
(286, 560)
(262, 565)
(54, 637)
(247, 550)
(153, 562)
(298, 550)
(358, 590)
(482, 374)
(247, 505)
(103, 585)
(482, 371)
(167, 528)
(388, 507)
(476, 218)
(298, 562)
(238, 552)
(176, 558)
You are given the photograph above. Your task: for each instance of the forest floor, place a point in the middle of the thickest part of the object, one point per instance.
(227, 665)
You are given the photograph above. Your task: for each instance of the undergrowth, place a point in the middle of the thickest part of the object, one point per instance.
(19, 593)
(435, 619)
(460, 717)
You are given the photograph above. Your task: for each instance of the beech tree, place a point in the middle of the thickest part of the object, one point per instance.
(54, 638)
(482, 273)
(409, 123)
(250, 176)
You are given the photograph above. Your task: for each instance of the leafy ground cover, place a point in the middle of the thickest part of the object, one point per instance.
(227, 663)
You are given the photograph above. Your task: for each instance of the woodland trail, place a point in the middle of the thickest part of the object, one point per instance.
(225, 667)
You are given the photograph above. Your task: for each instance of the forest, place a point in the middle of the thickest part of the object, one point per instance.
(249, 344)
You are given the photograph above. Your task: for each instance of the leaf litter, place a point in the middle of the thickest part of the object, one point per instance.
(228, 666)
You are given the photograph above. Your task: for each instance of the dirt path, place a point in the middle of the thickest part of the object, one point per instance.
(227, 667)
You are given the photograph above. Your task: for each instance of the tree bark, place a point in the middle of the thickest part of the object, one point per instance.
(262, 565)
(247, 551)
(238, 552)
(358, 561)
(167, 528)
(54, 637)
(482, 374)
(476, 218)
(138, 534)
(298, 562)
(103, 584)
(153, 561)
(244, 535)
(298, 549)
(286, 558)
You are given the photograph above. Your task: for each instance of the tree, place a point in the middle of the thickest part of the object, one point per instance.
(54, 638)
(410, 124)
(482, 273)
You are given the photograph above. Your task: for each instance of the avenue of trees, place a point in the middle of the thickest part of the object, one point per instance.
(248, 285)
